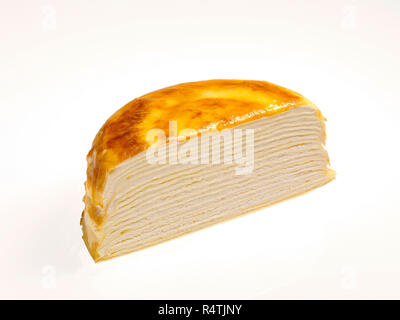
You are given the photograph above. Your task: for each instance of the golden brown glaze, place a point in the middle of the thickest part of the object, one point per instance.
(195, 105)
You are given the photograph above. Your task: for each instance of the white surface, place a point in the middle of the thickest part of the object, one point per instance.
(68, 65)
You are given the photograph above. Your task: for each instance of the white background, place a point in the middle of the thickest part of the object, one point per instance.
(66, 66)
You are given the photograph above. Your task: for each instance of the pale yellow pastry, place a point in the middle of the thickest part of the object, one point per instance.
(138, 196)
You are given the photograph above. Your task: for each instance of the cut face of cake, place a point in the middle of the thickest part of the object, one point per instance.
(192, 155)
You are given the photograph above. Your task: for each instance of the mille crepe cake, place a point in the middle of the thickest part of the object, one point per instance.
(157, 169)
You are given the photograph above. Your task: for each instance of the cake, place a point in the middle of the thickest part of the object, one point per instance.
(195, 154)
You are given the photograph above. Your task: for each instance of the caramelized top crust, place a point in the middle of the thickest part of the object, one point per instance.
(199, 105)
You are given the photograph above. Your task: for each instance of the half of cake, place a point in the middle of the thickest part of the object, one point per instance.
(195, 154)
